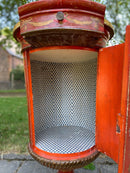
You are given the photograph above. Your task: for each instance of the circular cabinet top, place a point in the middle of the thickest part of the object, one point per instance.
(16, 33)
(45, 5)
(63, 23)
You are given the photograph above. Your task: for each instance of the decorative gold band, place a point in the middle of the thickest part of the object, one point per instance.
(109, 27)
(16, 27)
(106, 22)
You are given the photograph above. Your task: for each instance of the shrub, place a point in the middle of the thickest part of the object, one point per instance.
(18, 73)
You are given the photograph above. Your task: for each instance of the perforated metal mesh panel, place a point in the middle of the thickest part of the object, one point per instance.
(65, 139)
(64, 97)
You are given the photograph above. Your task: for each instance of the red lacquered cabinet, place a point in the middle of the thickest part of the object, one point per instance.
(113, 104)
(77, 90)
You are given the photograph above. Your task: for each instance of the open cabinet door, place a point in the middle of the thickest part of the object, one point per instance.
(112, 103)
(124, 150)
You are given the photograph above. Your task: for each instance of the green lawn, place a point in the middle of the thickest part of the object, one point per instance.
(13, 91)
(13, 125)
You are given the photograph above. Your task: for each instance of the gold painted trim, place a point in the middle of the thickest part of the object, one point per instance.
(16, 27)
(106, 22)
(41, 23)
(24, 23)
(110, 28)
(79, 22)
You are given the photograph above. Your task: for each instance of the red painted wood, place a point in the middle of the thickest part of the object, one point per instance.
(66, 172)
(25, 45)
(73, 19)
(63, 157)
(83, 24)
(52, 4)
(27, 69)
(19, 38)
(27, 93)
(108, 99)
(124, 155)
(80, 16)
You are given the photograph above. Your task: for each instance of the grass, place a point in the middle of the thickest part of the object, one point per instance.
(13, 125)
(91, 166)
(13, 91)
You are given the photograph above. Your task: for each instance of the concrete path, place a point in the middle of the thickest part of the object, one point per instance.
(11, 163)
(13, 94)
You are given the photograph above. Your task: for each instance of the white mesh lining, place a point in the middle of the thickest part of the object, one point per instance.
(64, 95)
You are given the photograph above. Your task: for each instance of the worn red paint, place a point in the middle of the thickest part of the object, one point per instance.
(108, 99)
(79, 17)
(113, 103)
(62, 157)
(113, 84)
(66, 172)
(71, 4)
(124, 152)
(27, 68)
(72, 20)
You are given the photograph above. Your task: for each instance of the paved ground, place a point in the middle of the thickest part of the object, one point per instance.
(13, 94)
(11, 163)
